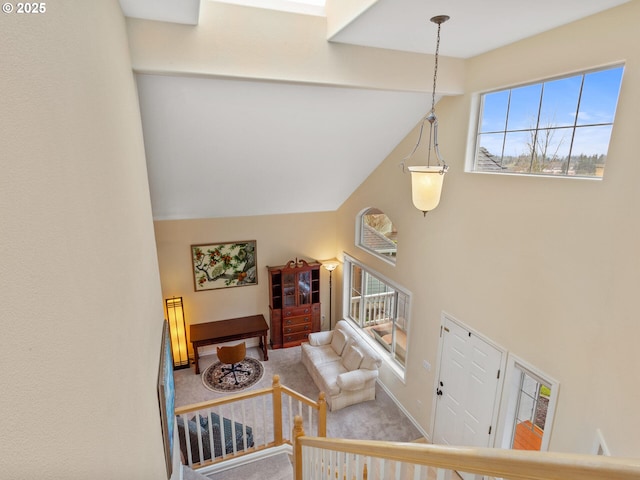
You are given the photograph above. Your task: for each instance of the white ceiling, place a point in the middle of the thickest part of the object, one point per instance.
(222, 147)
(219, 147)
(475, 26)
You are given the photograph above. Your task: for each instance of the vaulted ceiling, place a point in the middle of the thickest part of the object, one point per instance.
(272, 131)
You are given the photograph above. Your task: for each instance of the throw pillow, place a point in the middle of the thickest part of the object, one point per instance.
(352, 358)
(338, 341)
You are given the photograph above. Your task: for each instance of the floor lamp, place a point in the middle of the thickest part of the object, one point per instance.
(178, 332)
(330, 266)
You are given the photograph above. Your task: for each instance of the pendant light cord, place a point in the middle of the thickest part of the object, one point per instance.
(431, 116)
(435, 70)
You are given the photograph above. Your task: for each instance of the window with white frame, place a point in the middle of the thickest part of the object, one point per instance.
(559, 127)
(380, 309)
(531, 397)
(376, 233)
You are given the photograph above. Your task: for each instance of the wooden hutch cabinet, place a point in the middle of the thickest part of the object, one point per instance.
(294, 302)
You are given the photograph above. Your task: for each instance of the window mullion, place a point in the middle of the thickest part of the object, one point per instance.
(394, 322)
(363, 297)
(517, 410)
(506, 124)
(575, 125)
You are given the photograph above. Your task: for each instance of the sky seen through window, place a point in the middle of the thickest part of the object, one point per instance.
(552, 123)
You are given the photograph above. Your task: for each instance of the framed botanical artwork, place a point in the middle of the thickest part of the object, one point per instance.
(223, 265)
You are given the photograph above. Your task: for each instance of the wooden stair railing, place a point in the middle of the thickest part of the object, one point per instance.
(257, 415)
(343, 459)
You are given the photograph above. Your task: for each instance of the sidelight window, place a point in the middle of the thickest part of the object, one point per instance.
(532, 397)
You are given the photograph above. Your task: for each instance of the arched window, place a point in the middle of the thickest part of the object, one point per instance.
(376, 233)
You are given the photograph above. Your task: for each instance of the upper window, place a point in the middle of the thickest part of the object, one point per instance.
(559, 127)
(376, 233)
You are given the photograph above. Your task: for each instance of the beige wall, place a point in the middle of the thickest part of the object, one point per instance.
(82, 312)
(287, 47)
(279, 238)
(548, 268)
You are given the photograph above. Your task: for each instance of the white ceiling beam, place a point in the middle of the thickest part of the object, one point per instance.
(175, 11)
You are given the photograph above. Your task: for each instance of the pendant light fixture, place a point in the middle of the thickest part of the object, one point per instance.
(426, 181)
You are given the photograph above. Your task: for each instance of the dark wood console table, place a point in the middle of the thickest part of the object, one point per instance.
(228, 330)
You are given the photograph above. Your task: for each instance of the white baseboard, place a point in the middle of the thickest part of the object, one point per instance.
(404, 410)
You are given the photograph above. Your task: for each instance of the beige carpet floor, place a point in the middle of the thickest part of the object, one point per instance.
(378, 419)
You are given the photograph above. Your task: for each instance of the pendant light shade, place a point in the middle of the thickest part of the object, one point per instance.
(426, 187)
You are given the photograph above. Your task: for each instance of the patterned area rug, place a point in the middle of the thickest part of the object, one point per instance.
(213, 379)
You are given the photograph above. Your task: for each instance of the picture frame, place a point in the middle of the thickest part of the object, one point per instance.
(224, 265)
(166, 397)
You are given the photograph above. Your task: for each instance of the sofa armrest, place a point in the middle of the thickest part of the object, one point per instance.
(355, 379)
(320, 338)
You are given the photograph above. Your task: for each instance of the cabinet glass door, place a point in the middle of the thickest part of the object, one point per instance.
(304, 288)
(289, 289)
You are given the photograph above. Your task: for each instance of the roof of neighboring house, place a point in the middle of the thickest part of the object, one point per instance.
(485, 162)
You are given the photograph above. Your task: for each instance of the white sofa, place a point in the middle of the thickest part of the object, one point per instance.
(342, 365)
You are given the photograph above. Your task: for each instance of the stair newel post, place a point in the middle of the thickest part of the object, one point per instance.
(277, 410)
(322, 415)
(298, 431)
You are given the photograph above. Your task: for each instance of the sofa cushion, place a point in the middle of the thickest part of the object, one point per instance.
(329, 373)
(352, 358)
(320, 355)
(356, 379)
(338, 341)
(320, 338)
(371, 360)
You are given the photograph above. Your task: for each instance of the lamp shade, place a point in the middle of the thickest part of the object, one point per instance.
(426, 186)
(330, 265)
(178, 332)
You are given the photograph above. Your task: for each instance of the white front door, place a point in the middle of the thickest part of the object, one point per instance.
(468, 387)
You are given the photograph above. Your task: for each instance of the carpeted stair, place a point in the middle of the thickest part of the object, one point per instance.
(188, 474)
(277, 467)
